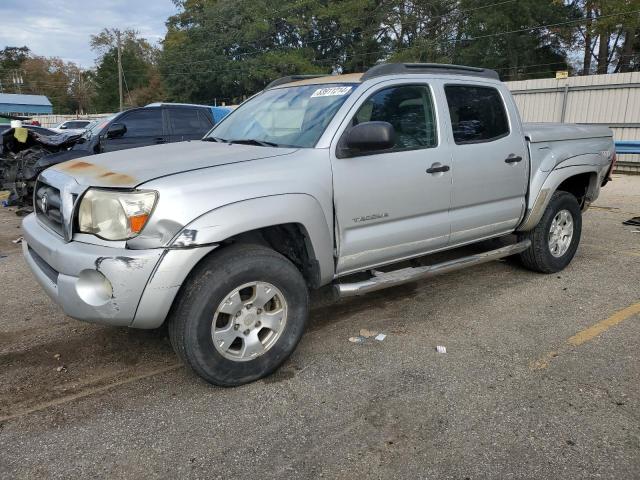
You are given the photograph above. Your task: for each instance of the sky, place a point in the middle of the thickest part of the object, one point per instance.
(62, 28)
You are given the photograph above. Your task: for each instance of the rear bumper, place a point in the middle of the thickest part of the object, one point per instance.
(114, 286)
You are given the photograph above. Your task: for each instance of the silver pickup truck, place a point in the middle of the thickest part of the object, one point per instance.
(313, 181)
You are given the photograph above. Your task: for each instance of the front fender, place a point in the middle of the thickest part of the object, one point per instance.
(227, 221)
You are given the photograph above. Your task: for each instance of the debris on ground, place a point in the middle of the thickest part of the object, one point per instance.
(634, 222)
(441, 349)
(61, 368)
(57, 356)
(17, 240)
(367, 333)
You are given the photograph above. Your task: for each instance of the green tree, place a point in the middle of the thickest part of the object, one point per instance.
(139, 60)
(523, 39)
(11, 59)
(609, 37)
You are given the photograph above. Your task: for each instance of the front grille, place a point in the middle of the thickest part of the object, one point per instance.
(48, 207)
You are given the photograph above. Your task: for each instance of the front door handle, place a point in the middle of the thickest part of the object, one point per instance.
(513, 159)
(160, 140)
(437, 168)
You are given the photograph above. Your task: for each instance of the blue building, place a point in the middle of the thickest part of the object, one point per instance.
(18, 104)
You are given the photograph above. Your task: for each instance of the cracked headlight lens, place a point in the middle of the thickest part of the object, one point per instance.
(115, 215)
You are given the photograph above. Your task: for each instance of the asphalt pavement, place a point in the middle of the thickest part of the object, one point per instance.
(541, 379)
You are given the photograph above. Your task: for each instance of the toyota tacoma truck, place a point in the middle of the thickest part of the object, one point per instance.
(313, 181)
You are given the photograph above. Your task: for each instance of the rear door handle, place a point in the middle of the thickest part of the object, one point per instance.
(160, 140)
(513, 159)
(437, 169)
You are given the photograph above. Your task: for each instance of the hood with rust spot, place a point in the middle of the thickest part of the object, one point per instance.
(130, 168)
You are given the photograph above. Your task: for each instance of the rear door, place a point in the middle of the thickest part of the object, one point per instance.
(188, 123)
(490, 162)
(388, 206)
(144, 127)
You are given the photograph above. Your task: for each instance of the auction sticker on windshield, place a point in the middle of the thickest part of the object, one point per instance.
(331, 92)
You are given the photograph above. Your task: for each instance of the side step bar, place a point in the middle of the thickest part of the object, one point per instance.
(382, 280)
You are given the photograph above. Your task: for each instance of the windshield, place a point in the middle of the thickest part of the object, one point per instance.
(284, 117)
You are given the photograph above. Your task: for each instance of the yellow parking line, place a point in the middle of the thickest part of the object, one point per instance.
(595, 330)
(587, 334)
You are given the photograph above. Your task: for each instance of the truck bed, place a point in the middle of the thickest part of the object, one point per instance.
(553, 132)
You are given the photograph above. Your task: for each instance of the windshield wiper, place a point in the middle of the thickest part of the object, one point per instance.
(214, 139)
(253, 141)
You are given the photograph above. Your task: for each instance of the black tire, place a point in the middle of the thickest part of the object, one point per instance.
(211, 281)
(538, 256)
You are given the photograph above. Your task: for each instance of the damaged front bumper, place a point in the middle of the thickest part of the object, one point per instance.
(100, 284)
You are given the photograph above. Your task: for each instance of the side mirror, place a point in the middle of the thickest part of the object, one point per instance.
(369, 137)
(63, 127)
(116, 130)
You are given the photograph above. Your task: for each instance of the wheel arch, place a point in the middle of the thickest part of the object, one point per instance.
(582, 181)
(293, 224)
(298, 220)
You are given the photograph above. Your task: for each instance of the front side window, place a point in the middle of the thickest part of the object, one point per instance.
(288, 117)
(409, 109)
(144, 123)
(477, 114)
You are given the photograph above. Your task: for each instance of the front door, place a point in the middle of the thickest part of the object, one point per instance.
(142, 127)
(490, 163)
(387, 205)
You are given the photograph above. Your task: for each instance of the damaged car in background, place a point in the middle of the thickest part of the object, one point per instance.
(25, 154)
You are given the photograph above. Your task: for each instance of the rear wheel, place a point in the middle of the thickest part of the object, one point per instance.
(555, 239)
(240, 315)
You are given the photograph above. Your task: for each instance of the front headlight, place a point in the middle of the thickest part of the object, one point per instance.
(114, 215)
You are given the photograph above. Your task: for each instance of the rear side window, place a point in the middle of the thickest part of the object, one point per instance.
(477, 114)
(187, 121)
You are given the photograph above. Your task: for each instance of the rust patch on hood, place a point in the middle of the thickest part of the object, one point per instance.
(77, 165)
(89, 170)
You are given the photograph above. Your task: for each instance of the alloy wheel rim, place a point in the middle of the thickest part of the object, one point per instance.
(561, 233)
(249, 321)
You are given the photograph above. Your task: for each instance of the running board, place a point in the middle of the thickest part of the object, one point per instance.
(382, 280)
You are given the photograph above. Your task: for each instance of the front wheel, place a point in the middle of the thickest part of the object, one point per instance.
(555, 239)
(240, 315)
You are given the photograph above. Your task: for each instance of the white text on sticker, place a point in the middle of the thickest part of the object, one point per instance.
(331, 92)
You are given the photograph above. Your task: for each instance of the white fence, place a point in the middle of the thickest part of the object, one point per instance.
(612, 100)
(53, 120)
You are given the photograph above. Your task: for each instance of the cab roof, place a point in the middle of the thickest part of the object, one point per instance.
(385, 69)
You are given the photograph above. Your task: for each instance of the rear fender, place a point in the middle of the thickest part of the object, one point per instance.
(567, 169)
